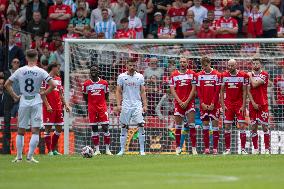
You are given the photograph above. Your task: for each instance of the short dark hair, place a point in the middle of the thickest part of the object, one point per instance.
(226, 8)
(131, 59)
(205, 59)
(124, 20)
(104, 10)
(31, 53)
(51, 66)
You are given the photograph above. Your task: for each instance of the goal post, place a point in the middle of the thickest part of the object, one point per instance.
(111, 54)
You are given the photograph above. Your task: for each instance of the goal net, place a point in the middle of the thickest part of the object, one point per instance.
(111, 56)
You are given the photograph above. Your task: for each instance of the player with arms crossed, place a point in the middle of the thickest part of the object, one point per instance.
(130, 91)
(96, 93)
(183, 86)
(234, 84)
(208, 90)
(30, 80)
(258, 106)
(52, 110)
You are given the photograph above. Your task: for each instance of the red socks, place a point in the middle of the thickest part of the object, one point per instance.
(216, 136)
(254, 138)
(206, 136)
(96, 139)
(47, 139)
(243, 138)
(227, 140)
(177, 135)
(107, 138)
(267, 140)
(54, 140)
(192, 135)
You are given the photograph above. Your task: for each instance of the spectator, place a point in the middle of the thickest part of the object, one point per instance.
(247, 11)
(58, 57)
(59, 16)
(205, 31)
(22, 40)
(85, 5)
(14, 52)
(141, 13)
(135, 23)
(106, 26)
(39, 45)
(177, 13)
(96, 14)
(154, 6)
(70, 32)
(46, 54)
(165, 108)
(10, 107)
(80, 22)
(218, 9)
(55, 42)
(270, 20)
(153, 95)
(153, 27)
(237, 11)
(125, 32)
(190, 28)
(11, 19)
(200, 12)
(120, 10)
(211, 20)
(167, 29)
(254, 24)
(72, 5)
(35, 6)
(153, 69)
(227, 27)
(38, 26)
(20, 7)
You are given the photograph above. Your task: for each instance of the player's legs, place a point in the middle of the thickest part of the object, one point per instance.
(266, 138)
(254, 137)
(96, 138)
(105, 128)
(24, 115)
(178, 127)
(216, 135)
(47, 138)
(227, 136)
(58, 121)
(55, 138)
(36, 122)
(242, 127)
(141, 138)
(205, 131)
(123, 138)
(192, 129)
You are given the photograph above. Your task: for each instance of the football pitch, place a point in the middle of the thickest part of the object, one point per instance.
(151, 171)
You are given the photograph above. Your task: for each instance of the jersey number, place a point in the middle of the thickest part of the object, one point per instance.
(29, 85)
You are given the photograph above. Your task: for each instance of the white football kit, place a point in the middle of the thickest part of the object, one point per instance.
(131, 98)
(30, 81)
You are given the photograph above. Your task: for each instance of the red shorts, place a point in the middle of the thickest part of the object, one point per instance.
(232, 112)
(259, 116)
(53, 118)
(206, 115)
(182, 112)
(98, 117)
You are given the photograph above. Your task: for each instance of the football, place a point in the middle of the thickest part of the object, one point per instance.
(87, 152)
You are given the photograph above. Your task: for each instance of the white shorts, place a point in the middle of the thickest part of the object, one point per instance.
(30, 115)
(131, 116)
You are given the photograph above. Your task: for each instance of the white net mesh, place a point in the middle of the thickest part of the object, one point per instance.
(159, 120)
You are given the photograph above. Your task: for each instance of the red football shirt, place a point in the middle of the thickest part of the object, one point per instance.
(259, 93)
(183, 82)
(177, 16)
(229, 23)
(234, 87)
(55, 25)
(206, 34)
(208, 87)
(96, 94)
(279, 88)
(126, 34)
(53, 97)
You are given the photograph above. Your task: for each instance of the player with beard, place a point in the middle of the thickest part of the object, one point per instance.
(258, 106)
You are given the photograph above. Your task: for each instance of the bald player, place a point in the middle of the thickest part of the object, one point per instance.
(233, 100)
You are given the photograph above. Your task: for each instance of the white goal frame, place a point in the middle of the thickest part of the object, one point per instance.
(139, 41)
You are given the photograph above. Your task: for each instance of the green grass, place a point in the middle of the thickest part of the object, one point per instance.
(151, 171)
